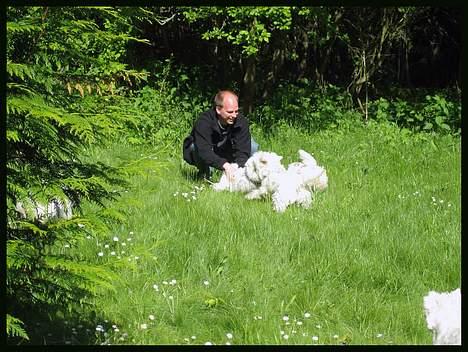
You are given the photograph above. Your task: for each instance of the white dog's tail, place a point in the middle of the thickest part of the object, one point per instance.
(306, 158)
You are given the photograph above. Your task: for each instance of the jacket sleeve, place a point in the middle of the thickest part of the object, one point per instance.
(242, 141)
(202, 132)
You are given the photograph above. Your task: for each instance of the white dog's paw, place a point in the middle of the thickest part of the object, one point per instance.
(222, 185)
(255, 194)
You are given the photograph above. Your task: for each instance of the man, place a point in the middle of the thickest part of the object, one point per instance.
(219, 137)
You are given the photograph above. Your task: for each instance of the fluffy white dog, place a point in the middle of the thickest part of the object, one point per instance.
(294, 185)
(54, 209)
(443, 316)
(248, 178)
(264, 175)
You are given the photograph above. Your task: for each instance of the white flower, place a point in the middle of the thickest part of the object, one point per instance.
(285, 318)
(206, 282)
(173, 282)
(67, 246)
(193, 337)
(112, 253)
(315, 338)
(335, 336)
(285, 336)
(228, 343)
(81, 225)
(131, 233)
(100, 254)
(143, 326)
(307, 315)
(106, 246)
(129, 239)
(151, 317)
(124, 244)
(171, 297)
(379, 335)
(318, 326)
(281, 332)
(299, 322)
(229, 335)
(115, 239)
(208, 343)
(136, 257)
(164, 282)
(156, 287)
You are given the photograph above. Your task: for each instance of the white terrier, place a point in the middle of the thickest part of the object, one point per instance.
(443, 316)
(55, 209)
(264, 174)
(294, 184)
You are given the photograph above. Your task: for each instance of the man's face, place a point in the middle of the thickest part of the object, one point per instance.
(228, 112)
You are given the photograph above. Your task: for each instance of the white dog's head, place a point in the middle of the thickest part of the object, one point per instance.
(443, 316)
(262, 164)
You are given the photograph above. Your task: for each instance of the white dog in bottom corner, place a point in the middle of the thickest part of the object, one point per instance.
(264, 174)
(443, 316)
(294, 185)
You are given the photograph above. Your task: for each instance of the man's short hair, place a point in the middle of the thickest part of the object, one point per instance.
(219, 97)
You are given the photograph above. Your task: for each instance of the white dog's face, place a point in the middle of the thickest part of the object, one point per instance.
(262, 164)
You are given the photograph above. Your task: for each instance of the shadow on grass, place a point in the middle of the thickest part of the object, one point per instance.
(56, 326)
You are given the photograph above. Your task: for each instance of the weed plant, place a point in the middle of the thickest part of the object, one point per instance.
(200, 267)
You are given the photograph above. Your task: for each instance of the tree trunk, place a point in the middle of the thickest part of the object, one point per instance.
(248, 84)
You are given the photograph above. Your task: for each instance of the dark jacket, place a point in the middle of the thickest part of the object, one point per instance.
(216, 146)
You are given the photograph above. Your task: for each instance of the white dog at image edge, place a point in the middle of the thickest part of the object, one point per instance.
(443, 316)
(264, 175)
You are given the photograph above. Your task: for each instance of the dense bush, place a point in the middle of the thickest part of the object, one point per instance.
(434, 113)
(305, 106)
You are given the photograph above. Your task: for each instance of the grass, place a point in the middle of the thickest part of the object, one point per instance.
(353, 269)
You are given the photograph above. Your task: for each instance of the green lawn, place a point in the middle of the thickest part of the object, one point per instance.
(351, 269)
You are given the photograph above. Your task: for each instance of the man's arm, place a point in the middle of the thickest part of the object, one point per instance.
(203, 141)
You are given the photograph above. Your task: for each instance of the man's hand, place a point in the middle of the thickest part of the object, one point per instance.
(229, 170)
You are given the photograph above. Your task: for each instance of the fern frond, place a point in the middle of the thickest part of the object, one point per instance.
(20, 254)
(20, 70)
(23, 26)
(94, 275)
(24, 225)
(14, 327)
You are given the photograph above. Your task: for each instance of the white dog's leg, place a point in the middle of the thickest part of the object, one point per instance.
(256, 193)
(304, 198)
(222, 185)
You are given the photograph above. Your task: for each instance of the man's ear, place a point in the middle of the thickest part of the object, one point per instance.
(218, 110)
